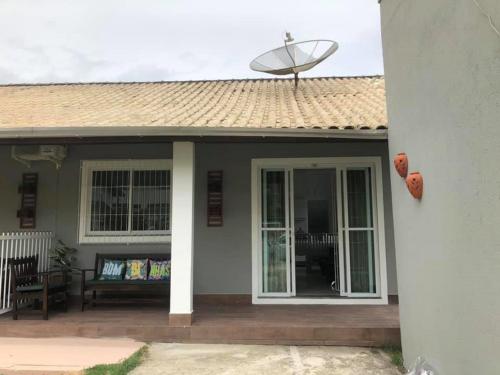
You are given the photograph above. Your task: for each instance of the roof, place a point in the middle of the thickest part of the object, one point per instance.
(331, 103)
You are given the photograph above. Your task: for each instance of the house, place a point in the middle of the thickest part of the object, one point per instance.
(305, 212)
(443, 77)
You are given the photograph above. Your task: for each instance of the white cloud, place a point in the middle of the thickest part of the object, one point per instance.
(134, 40)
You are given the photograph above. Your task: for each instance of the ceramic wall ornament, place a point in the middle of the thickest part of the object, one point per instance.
(401, 164)
(415, 184)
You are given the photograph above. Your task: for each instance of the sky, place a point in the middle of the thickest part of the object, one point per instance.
(44, 41)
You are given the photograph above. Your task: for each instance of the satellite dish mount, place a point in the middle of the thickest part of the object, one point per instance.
(294, 58)
(289, 39)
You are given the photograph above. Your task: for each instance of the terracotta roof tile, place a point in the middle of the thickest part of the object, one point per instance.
(318, 103)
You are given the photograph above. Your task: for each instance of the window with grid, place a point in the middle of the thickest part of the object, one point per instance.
(125, 201)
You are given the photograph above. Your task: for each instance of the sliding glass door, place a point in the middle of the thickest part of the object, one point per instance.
(334, 244)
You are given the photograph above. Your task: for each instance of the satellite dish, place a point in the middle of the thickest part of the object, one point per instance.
(294, 58)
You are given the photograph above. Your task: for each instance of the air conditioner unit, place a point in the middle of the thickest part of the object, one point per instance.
(27, 154)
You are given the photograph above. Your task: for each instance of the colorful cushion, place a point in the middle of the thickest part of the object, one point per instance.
(159, 270)
(112, 270)
(136, 269)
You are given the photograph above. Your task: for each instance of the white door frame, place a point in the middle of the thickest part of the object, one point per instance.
(379, 233)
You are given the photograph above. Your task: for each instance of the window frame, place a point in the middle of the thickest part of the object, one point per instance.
(87, 168)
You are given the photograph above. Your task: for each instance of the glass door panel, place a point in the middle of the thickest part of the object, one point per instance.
(274, 186)
(275, 233)
(274, 261)
(362, 262)
(360, 267)
(359, 198)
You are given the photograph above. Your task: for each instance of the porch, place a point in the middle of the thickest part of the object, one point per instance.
(221, 260)
(361, 325)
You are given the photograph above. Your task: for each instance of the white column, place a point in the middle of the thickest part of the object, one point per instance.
(181, 286)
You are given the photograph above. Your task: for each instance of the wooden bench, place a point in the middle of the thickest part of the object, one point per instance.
(109, 289)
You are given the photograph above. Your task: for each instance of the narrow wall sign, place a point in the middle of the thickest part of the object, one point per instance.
(214, 196)
(28, 189)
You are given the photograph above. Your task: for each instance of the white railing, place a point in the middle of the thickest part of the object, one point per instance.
(18, 245)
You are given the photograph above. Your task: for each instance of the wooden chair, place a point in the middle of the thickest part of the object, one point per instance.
(27, 284)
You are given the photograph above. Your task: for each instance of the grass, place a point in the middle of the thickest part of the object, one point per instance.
(396, 356)
(122, 368)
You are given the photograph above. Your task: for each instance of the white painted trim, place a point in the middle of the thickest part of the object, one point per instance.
(319, 163)
(291, 217)
(122, 239)
(345, 233)
(254, 192)
(318, 301)
(288, 231)
(340, 236)
(84, 235)
(327, 162)
(379, 234)
(183, 183)
(140, 130)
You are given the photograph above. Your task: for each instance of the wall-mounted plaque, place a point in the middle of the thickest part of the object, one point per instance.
(214, 204)
(27, 212)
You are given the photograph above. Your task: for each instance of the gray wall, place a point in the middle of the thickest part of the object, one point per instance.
(222, 262)
(59, 193)
(442, 64)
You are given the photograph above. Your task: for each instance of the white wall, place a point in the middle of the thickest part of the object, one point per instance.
(442, 65)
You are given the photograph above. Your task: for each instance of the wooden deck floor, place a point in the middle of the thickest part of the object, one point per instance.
(256, 324)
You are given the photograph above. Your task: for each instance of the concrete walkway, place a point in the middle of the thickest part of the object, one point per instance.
(61, 355)
(204, 359)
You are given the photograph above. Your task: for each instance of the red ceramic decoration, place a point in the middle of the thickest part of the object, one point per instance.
(415, 183)
(401, 164)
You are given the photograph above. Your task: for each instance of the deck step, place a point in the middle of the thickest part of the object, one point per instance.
(247, 324)
(372, 337)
